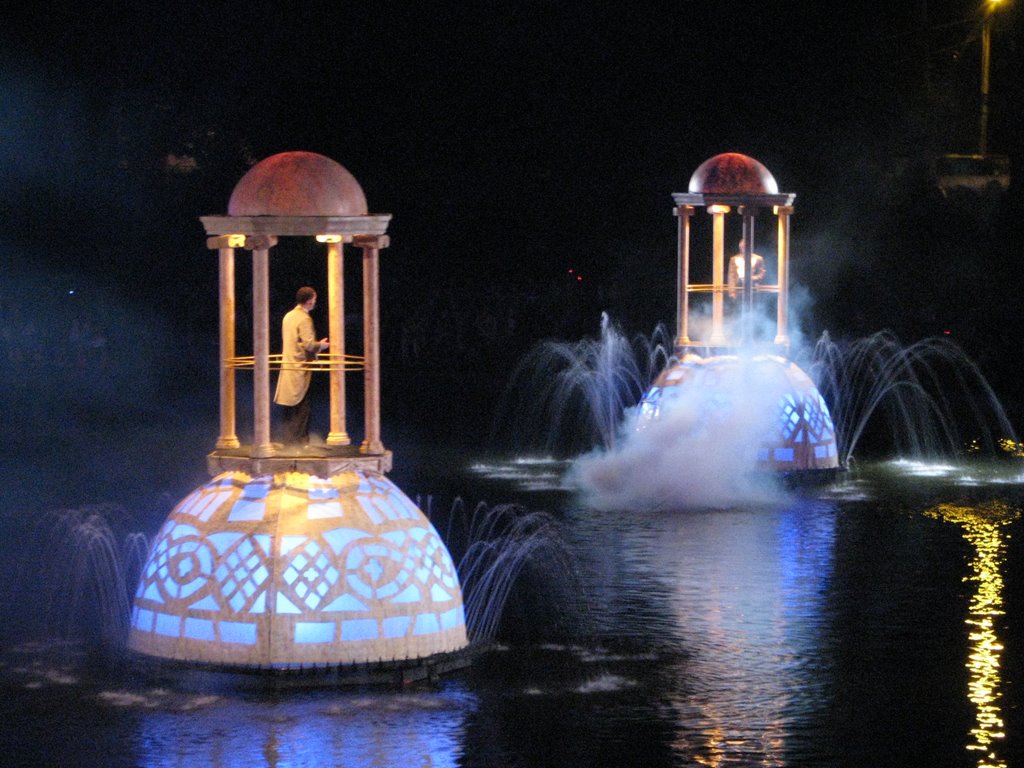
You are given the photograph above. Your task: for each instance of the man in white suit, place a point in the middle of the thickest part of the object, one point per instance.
(299, 345)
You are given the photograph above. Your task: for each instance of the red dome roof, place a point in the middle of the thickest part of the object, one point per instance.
(297, 184)
(733, 174)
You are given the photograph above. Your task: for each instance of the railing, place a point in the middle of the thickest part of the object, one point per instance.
(323, 362)
(722, 288)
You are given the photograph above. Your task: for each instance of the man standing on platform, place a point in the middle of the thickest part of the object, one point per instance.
(737, 267)
(299, 346)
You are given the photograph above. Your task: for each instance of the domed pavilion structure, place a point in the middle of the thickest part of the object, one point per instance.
(730, 358)
(294, 558)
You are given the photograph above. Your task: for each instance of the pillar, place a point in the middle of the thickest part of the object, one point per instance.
(225, 246)
(783, 213)
(261, 446)
(986, 55)
(371, 246)
(718, 274)
(336, 333)
(747, 302)
(683, 213)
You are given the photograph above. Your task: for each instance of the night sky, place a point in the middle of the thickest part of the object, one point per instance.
(512, 142)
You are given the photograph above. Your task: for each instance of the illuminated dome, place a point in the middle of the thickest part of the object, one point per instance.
(797, 432)
(292, 570)
(732, 174)
(297, 184)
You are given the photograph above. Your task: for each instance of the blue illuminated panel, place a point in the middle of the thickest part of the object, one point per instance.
(237, 632)
(314, 631)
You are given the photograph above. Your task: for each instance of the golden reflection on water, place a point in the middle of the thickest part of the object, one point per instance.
(981, 527)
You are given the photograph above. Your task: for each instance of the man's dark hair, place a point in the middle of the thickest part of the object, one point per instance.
(304, 294)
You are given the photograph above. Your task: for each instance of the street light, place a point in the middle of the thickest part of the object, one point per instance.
(986, 50)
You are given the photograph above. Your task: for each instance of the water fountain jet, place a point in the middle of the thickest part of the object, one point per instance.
(936, 399)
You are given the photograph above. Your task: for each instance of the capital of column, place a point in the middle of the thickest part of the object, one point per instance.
(784, 210)
(683, 210)
(371, 241)
(225, 241)
(248, 242)
(259, 242)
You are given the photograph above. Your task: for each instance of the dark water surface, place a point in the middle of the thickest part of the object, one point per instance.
(872, 622)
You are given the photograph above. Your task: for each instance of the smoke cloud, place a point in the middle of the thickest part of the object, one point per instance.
(701, 451)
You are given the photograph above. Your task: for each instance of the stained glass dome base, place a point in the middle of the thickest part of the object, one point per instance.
(292, 570)
(799, 435)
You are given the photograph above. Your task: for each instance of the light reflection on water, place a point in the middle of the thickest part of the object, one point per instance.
(741, 594)
(351, 730)
(982, 526)
(178, 723)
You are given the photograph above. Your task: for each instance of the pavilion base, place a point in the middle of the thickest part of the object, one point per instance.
(381, 674)
(318, 460)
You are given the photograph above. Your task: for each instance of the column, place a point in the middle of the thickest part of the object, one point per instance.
(783, 213)
(225, 246)
(336, 333)
(683, 213)
(718, 274)
(371, 340)
(986, 55)
(747, 303)
(260, 245)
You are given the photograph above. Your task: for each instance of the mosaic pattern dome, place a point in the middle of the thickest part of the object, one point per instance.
(802, 436)
(733, 174)
(295, 570)
(297, 184)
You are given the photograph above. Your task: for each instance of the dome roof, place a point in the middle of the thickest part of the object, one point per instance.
(292, 570)
(733, 174)
(297, 184)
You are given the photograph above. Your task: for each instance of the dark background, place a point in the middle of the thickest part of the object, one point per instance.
(512, 142)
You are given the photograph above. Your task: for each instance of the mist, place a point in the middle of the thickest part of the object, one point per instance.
(701, 451)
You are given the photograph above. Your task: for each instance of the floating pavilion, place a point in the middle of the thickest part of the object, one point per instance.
(300, 557)
(728, 362)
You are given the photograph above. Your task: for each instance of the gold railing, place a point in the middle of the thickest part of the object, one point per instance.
(323, 362)
(722, 288)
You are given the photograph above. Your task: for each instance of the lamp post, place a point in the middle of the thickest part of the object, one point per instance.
(986, 51)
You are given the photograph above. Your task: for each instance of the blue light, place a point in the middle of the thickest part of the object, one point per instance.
(143, 620)
(784, 454)
(359, 629)
(284, 605)
(438, 595)
(314, 632)
(167, 625)
(426, 624)
(260, 605)
(208, 603)
(411, 594)
(453, 618)
(397, 626)
(247, 509)
(239, 632)
(199, 629)
(320, 510)
(339, 538)
(346, 602)
(366, 502)
(152, 593)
